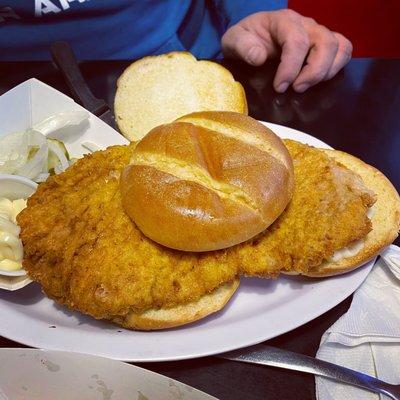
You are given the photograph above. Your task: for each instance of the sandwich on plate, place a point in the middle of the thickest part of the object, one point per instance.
(157, 234)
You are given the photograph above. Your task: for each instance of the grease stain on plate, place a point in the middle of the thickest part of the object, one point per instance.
(141, 396)
(52, 367)
(102, 388)
(175, 390)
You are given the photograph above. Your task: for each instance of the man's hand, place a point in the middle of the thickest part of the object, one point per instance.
(309, 52)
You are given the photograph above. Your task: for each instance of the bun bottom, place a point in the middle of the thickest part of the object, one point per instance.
(155, 319)
(385, 219)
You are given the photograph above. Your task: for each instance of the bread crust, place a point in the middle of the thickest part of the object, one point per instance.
(158, 89)
(385, 219)
(155, 319)
(197, 186)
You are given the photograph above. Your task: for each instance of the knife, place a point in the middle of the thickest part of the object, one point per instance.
(65, 59)
(274, 357)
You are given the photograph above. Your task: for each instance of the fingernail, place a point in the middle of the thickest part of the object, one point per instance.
(301, 88)
(282, 87)
(253, 56)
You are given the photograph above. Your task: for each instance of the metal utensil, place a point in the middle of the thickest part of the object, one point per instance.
(267, 355)
(66, 61)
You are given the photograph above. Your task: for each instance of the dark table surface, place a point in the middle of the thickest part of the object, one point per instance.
(358, 112)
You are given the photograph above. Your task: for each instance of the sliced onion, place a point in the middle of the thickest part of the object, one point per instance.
(27, 153)
(42, 177)
(35, 138)
(92, 147)
(63, 161)
(61, 120)
(14, 150)
(36, 164)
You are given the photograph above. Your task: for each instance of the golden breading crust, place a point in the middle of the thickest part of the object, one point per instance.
(385, 217)
(328, 211)
(87, 254)
(163, 318)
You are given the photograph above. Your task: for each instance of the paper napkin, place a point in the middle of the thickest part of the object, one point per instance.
(367, 337)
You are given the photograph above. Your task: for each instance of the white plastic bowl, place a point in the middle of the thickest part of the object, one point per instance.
(15, 187)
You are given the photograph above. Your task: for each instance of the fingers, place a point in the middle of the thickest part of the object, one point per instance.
(310, 53)
(324, 48)
(294, 51)
(301, 38)
(241, 43)
(343, 55)
(294, 40)
(329, 53)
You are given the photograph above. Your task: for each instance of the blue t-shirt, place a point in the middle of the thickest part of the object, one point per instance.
(120, 29)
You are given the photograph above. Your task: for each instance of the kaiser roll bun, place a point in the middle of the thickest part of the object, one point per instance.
(207, 181)
(156, 90)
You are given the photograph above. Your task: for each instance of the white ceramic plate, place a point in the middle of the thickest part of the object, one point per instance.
(30, 374)
(260, 310)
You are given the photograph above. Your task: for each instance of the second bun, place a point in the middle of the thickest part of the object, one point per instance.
(207, 181)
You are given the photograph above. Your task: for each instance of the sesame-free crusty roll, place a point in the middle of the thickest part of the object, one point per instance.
(207, 181)
(156, 90)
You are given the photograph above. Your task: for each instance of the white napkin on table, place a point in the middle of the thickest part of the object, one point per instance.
(367, 337)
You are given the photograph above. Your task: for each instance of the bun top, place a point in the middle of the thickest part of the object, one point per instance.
(158, 89)
(207, 181)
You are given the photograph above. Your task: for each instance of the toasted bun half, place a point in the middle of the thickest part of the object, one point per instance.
(208, 181)
(385, 216)
(158, 89)
(180, 315)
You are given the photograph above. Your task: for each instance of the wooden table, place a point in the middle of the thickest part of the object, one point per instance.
(358, 112)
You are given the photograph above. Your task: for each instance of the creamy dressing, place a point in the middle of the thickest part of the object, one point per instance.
(11, 250)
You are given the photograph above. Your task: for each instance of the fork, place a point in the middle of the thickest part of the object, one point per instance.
(274, 357)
